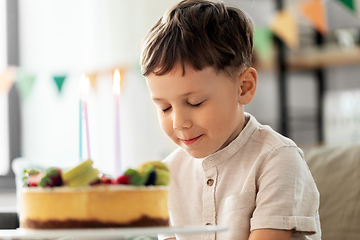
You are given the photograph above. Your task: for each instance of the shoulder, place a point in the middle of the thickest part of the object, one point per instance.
(270, 141)
(266, 135)
(272, 150)
(282, 161)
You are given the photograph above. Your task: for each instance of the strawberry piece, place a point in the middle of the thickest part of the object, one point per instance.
(123, 179)
(31, 177)
(33, 180)
(105, 180)
(33, 184)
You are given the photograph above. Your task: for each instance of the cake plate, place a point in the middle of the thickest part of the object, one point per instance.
(104, 233)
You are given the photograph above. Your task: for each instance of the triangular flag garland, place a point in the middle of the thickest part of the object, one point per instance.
(7, 79)
(284, 26)
(314, 12)
(59, 80)
(25, 81)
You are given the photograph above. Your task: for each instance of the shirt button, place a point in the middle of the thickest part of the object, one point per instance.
(210, 182)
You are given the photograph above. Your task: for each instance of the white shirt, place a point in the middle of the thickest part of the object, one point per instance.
(260, 180)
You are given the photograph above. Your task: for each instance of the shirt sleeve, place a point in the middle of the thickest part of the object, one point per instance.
(287, 197)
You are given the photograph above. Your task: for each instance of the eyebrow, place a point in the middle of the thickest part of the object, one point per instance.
(182, 95)
(158, 99)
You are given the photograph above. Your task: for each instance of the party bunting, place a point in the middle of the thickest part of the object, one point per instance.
(25, 81)
(284, 25)
(263, 42)
(314, 12)
(59, 80)
(7, 79)
(340, 16)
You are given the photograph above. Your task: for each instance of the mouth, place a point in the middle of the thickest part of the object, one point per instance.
(190, 141)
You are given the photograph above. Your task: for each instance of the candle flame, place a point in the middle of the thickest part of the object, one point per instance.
(116, 82)
(84, 86)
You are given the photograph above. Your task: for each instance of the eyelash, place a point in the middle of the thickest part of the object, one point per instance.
(192, 105)
(196, 105)
(166, 109)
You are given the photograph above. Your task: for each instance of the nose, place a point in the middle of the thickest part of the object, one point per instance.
(181, 119)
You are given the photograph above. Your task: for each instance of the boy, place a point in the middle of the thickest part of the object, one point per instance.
(229, 170)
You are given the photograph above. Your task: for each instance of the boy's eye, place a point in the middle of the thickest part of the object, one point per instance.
(196, 105)
(166, 109)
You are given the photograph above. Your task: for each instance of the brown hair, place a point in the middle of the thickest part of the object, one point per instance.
(200, 33)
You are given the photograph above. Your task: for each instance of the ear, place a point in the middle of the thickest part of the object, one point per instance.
(247, 87)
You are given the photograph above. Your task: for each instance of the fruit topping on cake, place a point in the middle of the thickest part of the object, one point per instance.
(84, 174)
(148, 173)
(157, 171)
(49, 178)
(81, 175)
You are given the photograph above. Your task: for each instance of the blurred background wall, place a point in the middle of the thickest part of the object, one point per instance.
(64, 39)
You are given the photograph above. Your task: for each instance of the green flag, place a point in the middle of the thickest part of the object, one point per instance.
(340, 16)
(25, 81)
(350, 4)
(263, 41)
(59, 80)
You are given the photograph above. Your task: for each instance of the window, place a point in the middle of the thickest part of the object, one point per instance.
(9, 106)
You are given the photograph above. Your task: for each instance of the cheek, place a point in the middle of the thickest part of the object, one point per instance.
(219, 118)
(212, 115)
(166, 125)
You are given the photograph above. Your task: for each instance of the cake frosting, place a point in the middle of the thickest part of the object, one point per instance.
(100, 204)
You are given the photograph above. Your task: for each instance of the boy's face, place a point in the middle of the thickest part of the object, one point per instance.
(199, 111)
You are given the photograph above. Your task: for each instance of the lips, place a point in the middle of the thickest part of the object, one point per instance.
(190, 141)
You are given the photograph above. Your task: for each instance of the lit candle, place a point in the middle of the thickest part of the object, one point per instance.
(116, 92)
(85, 92)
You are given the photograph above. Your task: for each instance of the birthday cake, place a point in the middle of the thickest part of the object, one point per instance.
(80, 197)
